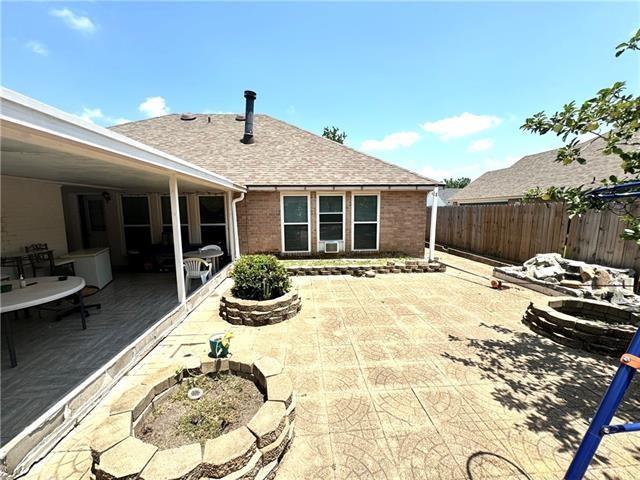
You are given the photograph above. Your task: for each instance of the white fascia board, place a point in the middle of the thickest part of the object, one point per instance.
(25, 111)
(338, 188)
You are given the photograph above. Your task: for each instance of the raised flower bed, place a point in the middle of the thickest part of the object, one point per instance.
(261, 293)
(251, 451)
(256, 313)
(585, 324)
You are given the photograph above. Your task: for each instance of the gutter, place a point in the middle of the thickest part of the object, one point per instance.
(236, 235)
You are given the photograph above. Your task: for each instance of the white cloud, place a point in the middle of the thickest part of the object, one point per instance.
(154, 107)
(74, 20)
(37, 47)
(472, 170)
(480, 145)
(391, 142)
(95, 116)
(461, 125)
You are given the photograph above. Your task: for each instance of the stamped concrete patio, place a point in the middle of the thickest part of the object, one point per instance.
(409, 376)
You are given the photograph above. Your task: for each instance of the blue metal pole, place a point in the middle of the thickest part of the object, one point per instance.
(604, 414)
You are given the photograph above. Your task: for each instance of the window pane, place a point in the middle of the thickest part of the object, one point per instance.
(330, 217)
(331, 203)
(366, 208)
(295, 210)
(137, 238)
(330, 231)
(135, 210)
(167, 232)
(166, 210)
(214, 235)
(212, 209)
(364, 236)
(296, 238)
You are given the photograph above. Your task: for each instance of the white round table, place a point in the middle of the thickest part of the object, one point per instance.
(205, 255)
(39, 290)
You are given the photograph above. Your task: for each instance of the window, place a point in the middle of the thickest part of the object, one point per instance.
(167, 230)
(295, 223)
(330, 217)
(135, 218)
(366, 212)
(213, 228)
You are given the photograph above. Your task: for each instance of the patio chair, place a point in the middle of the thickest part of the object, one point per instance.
(40, 257)
(196, 268)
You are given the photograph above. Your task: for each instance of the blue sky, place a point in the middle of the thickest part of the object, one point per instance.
(440, 88)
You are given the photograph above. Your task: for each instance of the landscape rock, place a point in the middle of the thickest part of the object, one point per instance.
(550, 272)
(586, 273)
(601, 278)
(571, 283)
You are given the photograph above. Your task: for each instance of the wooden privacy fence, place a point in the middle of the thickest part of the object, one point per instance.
(516, 233)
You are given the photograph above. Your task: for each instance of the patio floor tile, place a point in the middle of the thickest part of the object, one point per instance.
(347, 412)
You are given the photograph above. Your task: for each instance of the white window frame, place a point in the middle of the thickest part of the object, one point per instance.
(307, 223)
(124, 226)
(354, 223)
(200, 224)
(343, 212)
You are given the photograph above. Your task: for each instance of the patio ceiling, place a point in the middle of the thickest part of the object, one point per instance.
(40, 142)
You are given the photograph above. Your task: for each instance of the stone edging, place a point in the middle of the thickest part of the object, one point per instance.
(410, 266)
(600, 337)
(250, 452)
(254, 313)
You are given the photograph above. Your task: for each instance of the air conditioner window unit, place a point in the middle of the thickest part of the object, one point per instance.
(331, 247)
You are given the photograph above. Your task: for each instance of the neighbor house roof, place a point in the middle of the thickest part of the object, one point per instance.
(542, 170)
(282, 155)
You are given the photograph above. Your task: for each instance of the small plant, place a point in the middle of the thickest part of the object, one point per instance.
(225, 341)
(259, 277)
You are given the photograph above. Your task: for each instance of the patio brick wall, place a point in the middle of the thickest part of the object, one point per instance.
(402, 222)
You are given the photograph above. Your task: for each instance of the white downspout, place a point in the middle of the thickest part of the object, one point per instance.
(432, 229)
(236, 236)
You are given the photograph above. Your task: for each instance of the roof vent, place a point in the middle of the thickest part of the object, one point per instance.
(187, 117)
(240, 118)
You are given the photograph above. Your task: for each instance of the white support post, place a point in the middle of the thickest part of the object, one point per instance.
(177, 237)
(432, 229)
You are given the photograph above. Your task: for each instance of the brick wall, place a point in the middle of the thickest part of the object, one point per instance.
(402, 222)
(259, 222)
(403, 217)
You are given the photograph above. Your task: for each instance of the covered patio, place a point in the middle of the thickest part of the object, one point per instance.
(52, 163)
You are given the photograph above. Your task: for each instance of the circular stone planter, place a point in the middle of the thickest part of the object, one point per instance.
(257, 313)
(249, 452)
(590, 325)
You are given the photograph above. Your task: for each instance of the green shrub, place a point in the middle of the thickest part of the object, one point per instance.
(259, 277)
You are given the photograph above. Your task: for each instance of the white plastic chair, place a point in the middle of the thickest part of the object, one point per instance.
(193, 269)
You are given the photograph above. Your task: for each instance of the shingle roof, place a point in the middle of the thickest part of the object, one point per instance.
(281, 155)
(541, 170)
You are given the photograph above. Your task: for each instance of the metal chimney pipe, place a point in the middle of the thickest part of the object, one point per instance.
(248, 117)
